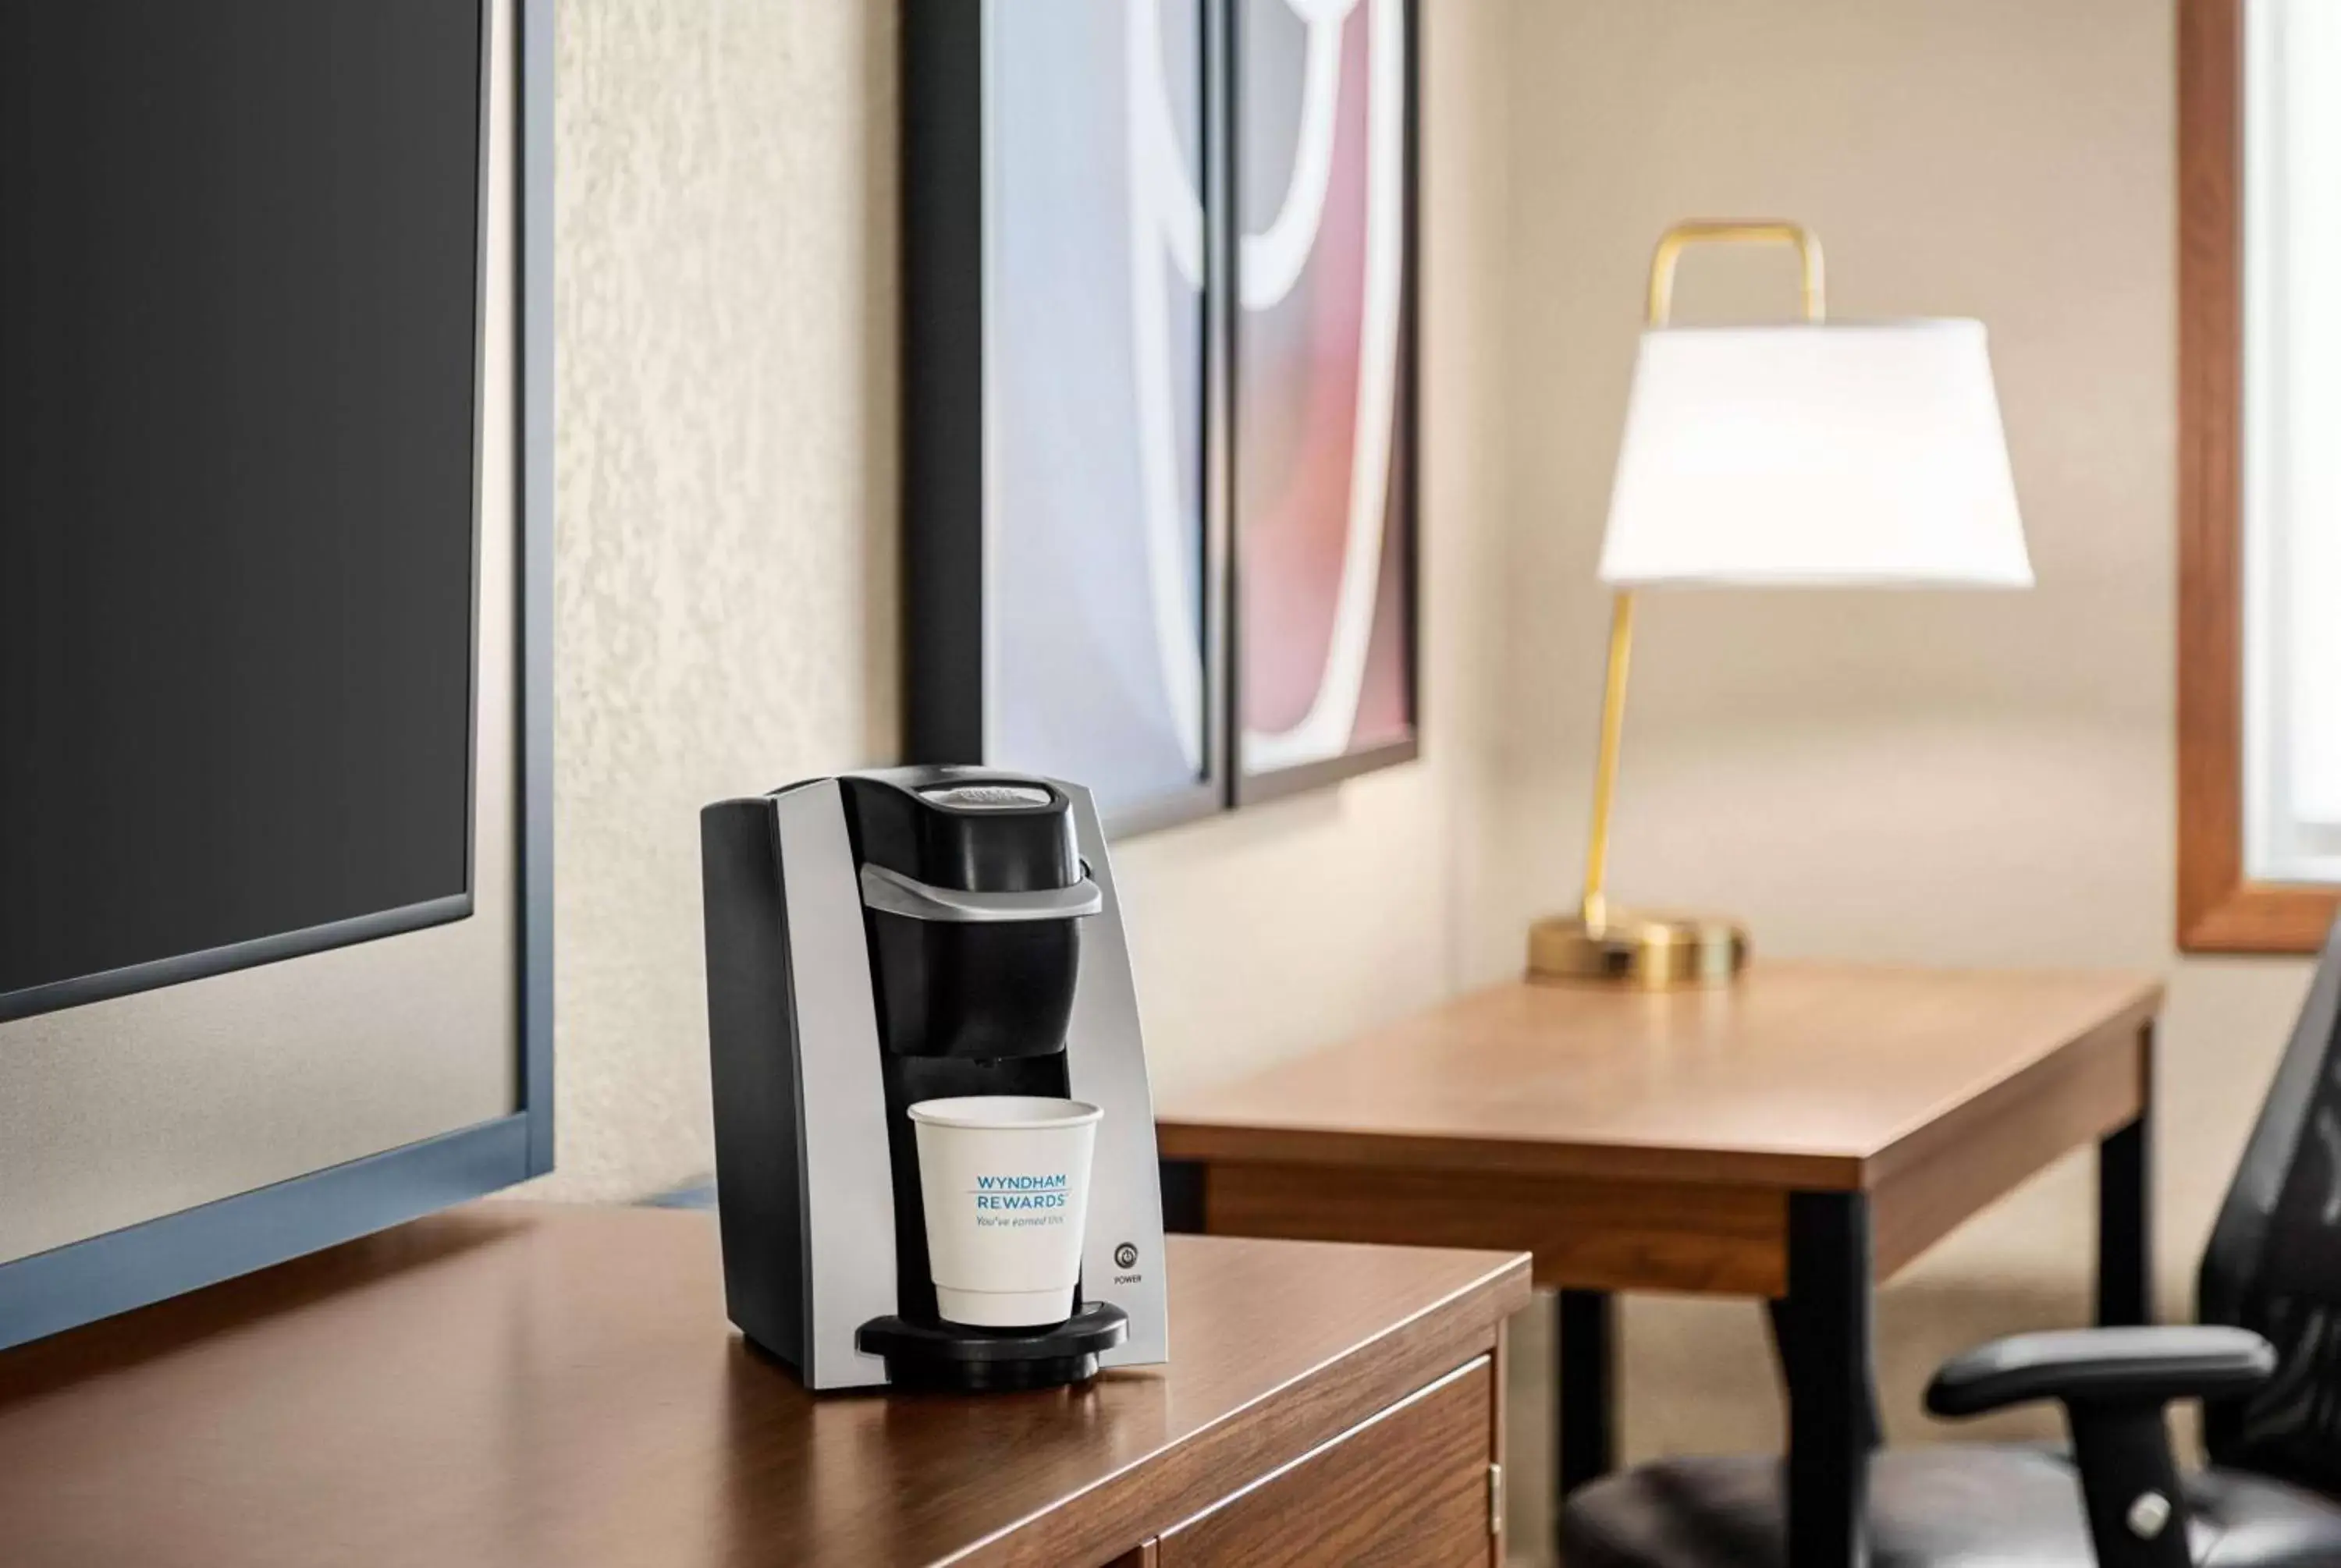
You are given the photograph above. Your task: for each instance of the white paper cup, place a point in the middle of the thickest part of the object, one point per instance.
(1006, 1183)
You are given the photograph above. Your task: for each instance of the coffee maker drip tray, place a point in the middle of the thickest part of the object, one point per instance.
(982, 1360)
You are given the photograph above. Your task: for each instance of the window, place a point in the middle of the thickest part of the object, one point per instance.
(2259, 473)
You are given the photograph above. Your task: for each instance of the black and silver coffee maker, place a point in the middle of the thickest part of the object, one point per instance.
(880, 938)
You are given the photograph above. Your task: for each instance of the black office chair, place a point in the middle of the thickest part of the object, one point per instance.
(2265, 1361)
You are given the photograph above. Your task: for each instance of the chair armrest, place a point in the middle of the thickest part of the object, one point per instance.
(2113, 1384)
(2103, 1365)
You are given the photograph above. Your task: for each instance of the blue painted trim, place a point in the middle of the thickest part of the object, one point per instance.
(699, 1194)
(533, 360)
(139, 1264)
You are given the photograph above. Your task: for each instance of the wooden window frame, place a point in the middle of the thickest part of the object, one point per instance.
(2220, 909)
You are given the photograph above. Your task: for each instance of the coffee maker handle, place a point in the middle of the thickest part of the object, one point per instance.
(890, 892)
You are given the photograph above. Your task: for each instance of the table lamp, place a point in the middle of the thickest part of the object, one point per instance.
(1787, 455)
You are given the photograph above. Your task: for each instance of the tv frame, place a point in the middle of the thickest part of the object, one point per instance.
(81, 1281)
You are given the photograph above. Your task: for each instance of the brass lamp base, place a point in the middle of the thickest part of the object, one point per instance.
(1648, 949)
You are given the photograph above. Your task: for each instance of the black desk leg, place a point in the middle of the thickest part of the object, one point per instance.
(1786, 1344)
(1183, 1207)
(1826, 1353)
(1586, 1359)
(2126, 1223)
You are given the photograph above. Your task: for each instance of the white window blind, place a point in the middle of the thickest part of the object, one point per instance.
(2292, 441)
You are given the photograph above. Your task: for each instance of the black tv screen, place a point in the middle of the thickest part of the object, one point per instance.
(240, 301)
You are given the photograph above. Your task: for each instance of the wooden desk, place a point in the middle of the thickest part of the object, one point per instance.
(1796, 1136)
(529, 1384)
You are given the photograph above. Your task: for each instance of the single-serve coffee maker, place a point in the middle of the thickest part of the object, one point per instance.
(908, 937)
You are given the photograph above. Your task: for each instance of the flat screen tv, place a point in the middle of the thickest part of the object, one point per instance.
(272, 639)
(239, 414)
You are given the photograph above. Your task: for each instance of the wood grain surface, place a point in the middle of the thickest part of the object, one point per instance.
(2219, 909)
(1589, 1232)
(1800, 1075)
(1943, 1175)
(515, 1383)
(1408, 1489)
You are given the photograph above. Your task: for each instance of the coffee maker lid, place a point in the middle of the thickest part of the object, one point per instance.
(991, 796)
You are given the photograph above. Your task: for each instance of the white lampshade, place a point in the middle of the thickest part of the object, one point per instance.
(1814, 453)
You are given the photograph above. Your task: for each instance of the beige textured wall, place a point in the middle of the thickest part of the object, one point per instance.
(726, 607)
(1935, 778)
(725, 467)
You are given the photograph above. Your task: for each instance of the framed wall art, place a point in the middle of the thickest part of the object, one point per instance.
(1159, 523)
(1323, 394)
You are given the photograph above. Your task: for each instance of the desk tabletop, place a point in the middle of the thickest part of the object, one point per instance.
(1801, 1074)
(533, 1383)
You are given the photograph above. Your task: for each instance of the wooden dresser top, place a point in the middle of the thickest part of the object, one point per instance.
(515, 1383)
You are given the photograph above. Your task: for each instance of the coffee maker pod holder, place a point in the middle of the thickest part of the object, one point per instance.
(951, 1355)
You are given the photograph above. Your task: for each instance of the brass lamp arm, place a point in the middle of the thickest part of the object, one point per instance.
(1734, 232)
(1595, 912)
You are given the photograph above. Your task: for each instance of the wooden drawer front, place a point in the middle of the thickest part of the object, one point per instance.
(1409, 1486)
